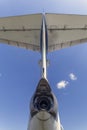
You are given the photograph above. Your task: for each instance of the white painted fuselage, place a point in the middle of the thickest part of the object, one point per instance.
(44, 121)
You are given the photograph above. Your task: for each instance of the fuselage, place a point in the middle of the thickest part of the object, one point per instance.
(44, 109)
(44, 121)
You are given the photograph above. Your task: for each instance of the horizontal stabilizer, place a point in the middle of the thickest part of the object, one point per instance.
(21, 31)
(63, 30)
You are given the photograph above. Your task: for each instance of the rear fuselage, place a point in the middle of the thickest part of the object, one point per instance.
(44, 109)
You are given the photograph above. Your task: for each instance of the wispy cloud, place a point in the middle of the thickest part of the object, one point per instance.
(72, 76)
(62, 84)
(65, 83)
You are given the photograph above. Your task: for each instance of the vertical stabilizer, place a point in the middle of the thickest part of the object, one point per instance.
(44, 47)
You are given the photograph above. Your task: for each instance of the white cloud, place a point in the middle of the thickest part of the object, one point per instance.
(72, 76)
(62, 84)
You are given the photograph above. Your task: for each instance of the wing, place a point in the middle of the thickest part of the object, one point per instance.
(65, 30)
(21, 31)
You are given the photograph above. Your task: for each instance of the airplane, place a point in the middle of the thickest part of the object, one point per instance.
(44, 33)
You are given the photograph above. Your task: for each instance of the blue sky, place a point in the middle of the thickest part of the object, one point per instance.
(20, 73)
